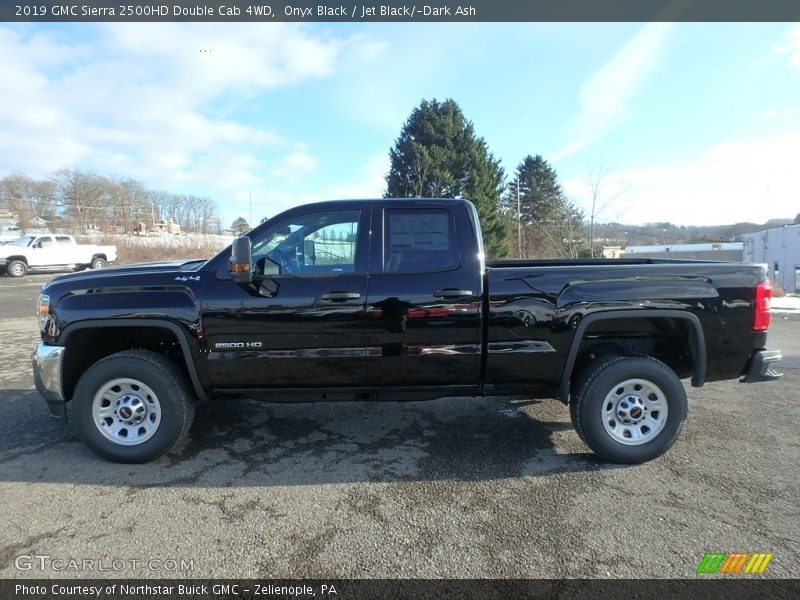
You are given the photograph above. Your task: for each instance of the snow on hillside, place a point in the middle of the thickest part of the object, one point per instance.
(182, 240)
(154, 248)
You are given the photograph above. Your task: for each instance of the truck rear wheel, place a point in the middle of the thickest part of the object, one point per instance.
(98, 263)
(16, 268)
(133, 406)
(629, 409)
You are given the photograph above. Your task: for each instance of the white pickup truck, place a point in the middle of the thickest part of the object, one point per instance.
(52, 252)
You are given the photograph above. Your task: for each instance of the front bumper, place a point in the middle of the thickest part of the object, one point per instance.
(762, 366)
(47, 361)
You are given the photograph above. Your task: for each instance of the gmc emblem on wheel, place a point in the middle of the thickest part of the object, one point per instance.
(229, 345)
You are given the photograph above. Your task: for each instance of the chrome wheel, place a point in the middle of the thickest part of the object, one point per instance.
(16, 269)
(126, 411)
(634, 412)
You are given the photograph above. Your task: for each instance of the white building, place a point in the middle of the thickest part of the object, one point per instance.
(779, 248)
(731, 251)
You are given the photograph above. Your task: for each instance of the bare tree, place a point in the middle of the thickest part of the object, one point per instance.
(26, 198)
(596, 179)
(84, 196)
(93, 201)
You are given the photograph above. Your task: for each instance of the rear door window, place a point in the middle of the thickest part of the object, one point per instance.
(419, 240)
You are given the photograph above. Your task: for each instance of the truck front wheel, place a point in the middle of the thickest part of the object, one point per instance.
(16, 268)
(133, 406)
(629, 409)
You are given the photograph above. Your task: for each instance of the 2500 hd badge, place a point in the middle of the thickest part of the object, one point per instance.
(229, 345)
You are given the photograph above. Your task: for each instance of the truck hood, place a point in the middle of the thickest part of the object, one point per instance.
(6, 250)
(113, 273)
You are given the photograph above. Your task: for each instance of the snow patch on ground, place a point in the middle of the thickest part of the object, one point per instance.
(786, 304)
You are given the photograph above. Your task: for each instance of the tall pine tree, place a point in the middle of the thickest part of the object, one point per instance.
(552, 226)
(438, 155)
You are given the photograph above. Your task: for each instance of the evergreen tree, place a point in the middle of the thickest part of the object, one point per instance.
(438, 155)
(240, 226)
(551, 224)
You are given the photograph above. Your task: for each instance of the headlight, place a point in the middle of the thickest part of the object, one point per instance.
(43, 310)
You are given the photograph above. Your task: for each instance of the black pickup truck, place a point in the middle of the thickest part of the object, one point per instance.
(393, 300)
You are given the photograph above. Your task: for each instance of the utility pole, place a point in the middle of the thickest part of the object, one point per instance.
(519, 222)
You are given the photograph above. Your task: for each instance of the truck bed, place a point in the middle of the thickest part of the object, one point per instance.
(535, 306)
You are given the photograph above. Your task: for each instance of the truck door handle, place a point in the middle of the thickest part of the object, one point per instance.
(339, 296)
(452, 293)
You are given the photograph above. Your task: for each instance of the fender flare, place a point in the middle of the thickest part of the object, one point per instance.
(697, 342)
(180, 335)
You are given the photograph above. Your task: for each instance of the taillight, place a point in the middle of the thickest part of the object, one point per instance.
(761, 305)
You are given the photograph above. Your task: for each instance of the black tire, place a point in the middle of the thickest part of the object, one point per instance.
(604, 378)
(16, 268)
(99, 263)
(174, 400)
(580, 381)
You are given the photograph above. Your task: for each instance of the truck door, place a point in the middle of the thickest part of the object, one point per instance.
(302, 322)
(43, 252)
(423, 306)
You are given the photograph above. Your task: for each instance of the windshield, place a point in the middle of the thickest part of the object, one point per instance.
(25, 240)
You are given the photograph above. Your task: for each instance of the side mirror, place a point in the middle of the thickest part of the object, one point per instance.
(240, 264)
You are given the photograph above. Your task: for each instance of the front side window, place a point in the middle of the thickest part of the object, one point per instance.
(419, 240)
(322, 242)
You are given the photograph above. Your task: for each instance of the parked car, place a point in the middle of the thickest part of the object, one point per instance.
(393, 300)
(52, 252)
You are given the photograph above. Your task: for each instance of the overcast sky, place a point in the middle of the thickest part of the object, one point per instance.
(695, 123)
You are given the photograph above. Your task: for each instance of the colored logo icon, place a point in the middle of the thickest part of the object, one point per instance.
(732, 563)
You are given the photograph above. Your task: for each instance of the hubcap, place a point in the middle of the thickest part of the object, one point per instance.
(126, 411)
(634, 412)
(17, 269)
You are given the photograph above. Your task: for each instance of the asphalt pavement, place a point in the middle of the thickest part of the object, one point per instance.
(458, 487)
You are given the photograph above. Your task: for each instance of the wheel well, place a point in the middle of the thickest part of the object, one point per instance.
(19, 257)
(87, 346)
(103, 256)
(667, 339)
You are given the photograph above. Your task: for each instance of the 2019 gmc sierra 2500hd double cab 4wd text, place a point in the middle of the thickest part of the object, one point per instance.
(393, 300)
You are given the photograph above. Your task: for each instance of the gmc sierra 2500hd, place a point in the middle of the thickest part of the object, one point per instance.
(392, 300)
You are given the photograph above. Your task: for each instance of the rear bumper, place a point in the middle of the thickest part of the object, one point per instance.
(762, 366)
(47, 377)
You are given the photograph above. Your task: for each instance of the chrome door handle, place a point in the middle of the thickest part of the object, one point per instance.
(339, 296)
(452, 293)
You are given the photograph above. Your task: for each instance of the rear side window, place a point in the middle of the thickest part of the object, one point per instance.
(419, 240)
